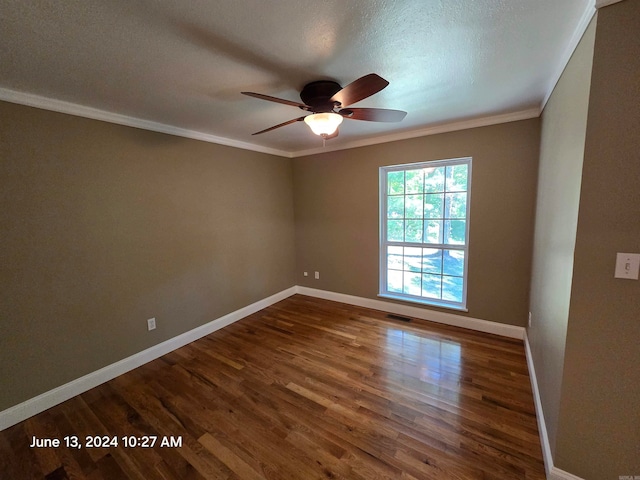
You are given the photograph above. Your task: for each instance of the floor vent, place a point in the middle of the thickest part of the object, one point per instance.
(398, 317)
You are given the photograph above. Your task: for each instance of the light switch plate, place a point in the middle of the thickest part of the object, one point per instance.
(627, 265)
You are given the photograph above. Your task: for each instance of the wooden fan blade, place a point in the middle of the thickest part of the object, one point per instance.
(280, 125)
(373, 114)
(277, 100)
(360, 89)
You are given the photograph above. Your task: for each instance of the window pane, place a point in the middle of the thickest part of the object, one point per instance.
(394, 258)
(412, 283)
(431, 285)
(414, 181)
(395, 206)
(425, 214)
(452, 289)
(456, 178)
(434, 179)
(454, 232)
(414, 205)
(395, 182)
(433, 231)
(433, 205)
(453, 262)
(432, 260)
(395, 230)
(413, 259)
(456, 205)
(394, 281)
(413, 231)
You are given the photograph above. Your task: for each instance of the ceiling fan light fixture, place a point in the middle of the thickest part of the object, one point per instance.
(323, 97)
(323, 123)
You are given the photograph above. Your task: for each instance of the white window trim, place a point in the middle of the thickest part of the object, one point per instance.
(382, 193)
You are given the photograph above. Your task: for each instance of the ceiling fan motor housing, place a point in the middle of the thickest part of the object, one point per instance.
(318, 94)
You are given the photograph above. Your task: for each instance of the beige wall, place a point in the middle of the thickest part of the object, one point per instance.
(104, 226)
(599, 426)
(336, 212)
(564, 124)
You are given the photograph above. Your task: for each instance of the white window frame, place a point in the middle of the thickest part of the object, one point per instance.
(384, 243)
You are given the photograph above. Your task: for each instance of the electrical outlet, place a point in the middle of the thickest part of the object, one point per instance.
(151, 324)
(627, 265)
(529, 319)
(317, 275)
(306, 274)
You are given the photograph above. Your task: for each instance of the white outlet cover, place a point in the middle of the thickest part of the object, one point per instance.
(151, 324)
(627, 266)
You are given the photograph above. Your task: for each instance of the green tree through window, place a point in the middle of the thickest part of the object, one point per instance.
(424, 220)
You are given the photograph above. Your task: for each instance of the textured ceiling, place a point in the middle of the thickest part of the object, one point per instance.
(184, 64)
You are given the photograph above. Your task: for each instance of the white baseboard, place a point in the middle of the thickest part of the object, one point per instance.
(557, 474)
(485, 326)
(553, 472)
(42, 402)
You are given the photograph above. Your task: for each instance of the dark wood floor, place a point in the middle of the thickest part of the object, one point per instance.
(305, 389)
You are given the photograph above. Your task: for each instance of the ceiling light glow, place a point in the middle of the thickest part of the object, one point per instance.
(323, 124)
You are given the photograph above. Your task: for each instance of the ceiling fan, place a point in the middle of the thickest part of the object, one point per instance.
(326, 100)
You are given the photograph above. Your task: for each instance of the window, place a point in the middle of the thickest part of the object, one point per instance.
(424, 232)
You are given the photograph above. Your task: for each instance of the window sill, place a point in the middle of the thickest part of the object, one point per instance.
(426, 303)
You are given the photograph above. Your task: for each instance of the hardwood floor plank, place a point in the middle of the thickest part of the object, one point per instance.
(47, 458)
(24, 462)
(229, 458)
(304, 389)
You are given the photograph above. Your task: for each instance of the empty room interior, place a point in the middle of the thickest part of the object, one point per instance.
(307, 240)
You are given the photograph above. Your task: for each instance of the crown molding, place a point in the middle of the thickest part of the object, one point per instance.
(582, 26)
(37, 101)
(423, 132)
(31, 100)
(605, 3)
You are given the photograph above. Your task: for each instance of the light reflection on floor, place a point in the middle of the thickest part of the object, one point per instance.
(430, 365)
